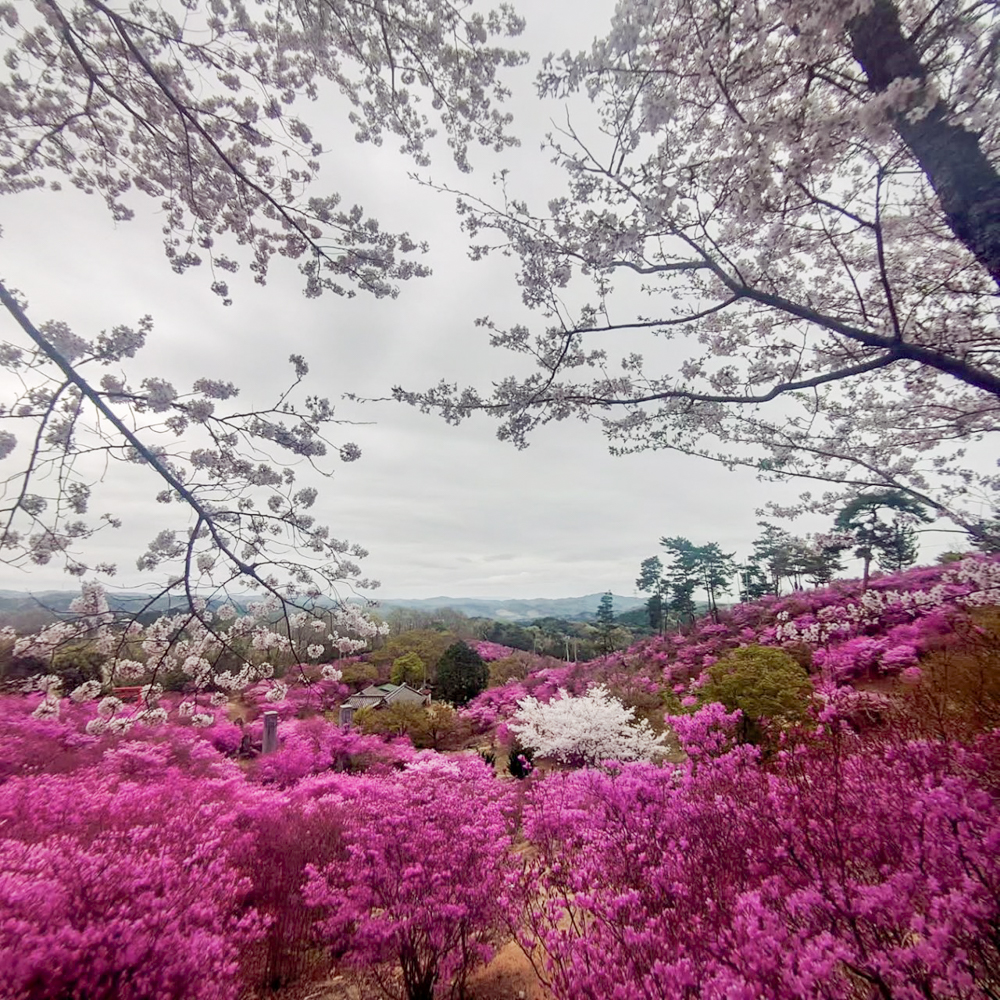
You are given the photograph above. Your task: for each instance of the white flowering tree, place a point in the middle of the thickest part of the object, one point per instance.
(584, 730)
(805, 193)
(195, 106)
(217, 651)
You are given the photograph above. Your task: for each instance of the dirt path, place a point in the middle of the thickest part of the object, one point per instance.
(508, 977)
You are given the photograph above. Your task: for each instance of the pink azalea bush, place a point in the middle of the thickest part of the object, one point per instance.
(493, 650)
(839, 871)
(312, 746)
(30, 745)
(121, 880)
(149, 864)
(842, 866)
(423, 876)
(844, 635)
(296, 696)
(856, 859)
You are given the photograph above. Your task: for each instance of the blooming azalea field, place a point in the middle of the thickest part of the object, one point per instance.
(804, 804)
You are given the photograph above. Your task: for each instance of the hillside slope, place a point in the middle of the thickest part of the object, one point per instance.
(842, 636)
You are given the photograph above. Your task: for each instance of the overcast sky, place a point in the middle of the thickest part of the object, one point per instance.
(443, 510)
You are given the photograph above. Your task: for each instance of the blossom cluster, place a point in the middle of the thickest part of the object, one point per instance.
(588, 729)
(152, 861)
(844, 634)
(493, 650)
(220, 650)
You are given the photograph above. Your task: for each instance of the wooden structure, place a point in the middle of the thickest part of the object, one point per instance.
(381, 696)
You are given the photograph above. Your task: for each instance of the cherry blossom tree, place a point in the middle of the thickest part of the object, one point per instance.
(193, 107)
(806, 195)
(196, 108)
(588, 729)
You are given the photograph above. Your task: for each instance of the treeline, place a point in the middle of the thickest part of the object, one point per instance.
(878, 527)
(560, 638)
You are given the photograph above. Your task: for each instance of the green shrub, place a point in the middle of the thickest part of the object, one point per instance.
(514, 667)
(434, 727)
(408, 669)
(16, 668)
(76, 663)
(426, 643)
(361, 673)
(764, 683)
(647, 705)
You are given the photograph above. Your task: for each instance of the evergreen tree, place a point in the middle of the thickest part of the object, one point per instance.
(656, 612)
(778, 555)
(605, 623)
(461, 674)
(872, 535)
(651, 581)
(753, 583)
(716, 569)
(682, 577)
(898, 548)
(693, 567)
(822, 562)
(984, 534)
(772, 553)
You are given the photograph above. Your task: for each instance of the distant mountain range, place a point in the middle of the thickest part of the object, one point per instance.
(13, 602)
(28, 612)
(512, 610)
(60, 600)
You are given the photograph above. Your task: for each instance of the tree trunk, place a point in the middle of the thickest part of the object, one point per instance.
(966, 183)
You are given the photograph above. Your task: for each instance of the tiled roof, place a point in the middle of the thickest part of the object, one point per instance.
(378, 689)
(382, 694)
(363, 700)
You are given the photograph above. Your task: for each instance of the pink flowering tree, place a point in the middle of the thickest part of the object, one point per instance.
(122, 880)
(808, 193)
(422, 885)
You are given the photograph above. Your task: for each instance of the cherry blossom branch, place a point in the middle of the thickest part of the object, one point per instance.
(695, 397)
(161, 469)
(951, 157)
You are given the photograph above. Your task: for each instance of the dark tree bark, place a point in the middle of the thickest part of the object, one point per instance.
(950, 156)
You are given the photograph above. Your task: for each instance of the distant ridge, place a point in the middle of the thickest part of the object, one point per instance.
(60, 600)
(22, 608)
(515, 609)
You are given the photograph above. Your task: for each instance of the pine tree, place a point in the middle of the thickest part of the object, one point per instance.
(716, 568)
(898, 548)
(696, 567)
(872, 536)
(682, 577)
(753, 583)
(461, 674)
(651, 581)
(606, 623)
